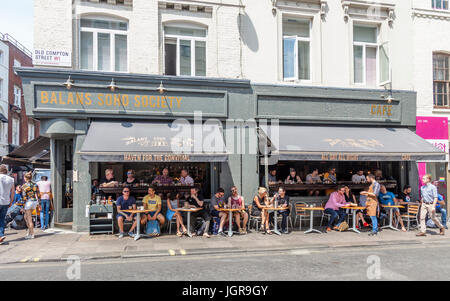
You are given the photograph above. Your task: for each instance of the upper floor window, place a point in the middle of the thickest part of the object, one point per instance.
(184, 51)
(17, 96)
(1, 89)
(30, 131)
(296, 49)
(370, 58)
(16, 64)
(2, 58)
(15, 131)
(103, 45)
(441, 80)
(439, 4)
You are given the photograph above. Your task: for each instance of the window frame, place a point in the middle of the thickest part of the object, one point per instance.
(192, 40)
(15, 131)
(1, 88)
(19, 95)
(445, 82)
(298, 40)
(364, 45)
(434, 6)
(33, 127)
(16, 63)
(112, 34)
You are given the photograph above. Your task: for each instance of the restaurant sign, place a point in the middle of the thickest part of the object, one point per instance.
(142, 157)
(97, 100)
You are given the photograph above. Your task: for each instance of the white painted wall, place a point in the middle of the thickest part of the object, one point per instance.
(4, 76)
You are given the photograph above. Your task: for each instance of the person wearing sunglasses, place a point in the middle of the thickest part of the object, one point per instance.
(236, 201)
(125, 202)
(131, 179)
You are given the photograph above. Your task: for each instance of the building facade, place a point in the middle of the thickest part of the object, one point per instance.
(340, 69)
(4, 89)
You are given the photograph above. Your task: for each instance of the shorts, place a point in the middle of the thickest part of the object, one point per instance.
(31, 205)
(151, 213)
(256, 212)
(123, 214)
(215, 213)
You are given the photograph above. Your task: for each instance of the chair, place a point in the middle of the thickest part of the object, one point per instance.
(169, 223)
(255, 219)
(300, 213)
(328, 216)
(411, 215)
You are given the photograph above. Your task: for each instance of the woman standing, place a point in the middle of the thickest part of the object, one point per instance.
(259, 202)
(172, 205)
(30, 192)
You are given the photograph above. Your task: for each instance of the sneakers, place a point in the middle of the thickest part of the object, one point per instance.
(221, 233)
(29, 236)
(121, 235)
(328, 229)
(131, 234)
(285, 231)
(373, 233)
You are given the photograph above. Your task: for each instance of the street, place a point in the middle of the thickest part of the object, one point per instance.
(396, 262)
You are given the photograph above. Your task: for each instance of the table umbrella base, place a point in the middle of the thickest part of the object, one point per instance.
(312, 230)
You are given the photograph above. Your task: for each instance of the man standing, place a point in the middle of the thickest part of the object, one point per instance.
(6, 197)
(429, 199)
(46, 193)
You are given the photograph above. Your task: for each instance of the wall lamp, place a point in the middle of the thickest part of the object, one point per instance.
(161, 88)
(112, 86)
(68, 83)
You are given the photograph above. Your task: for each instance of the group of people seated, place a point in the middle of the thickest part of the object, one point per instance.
(153, 203)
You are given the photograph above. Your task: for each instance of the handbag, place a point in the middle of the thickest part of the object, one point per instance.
(153, 228)
(343, 226)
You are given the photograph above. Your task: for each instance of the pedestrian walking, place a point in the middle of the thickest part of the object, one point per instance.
(429, 199)
(6, 198)
(30, 192)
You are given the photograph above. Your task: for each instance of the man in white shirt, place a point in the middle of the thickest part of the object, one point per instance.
(359, 177)
(6, 198)
(185, 179)
(45, 191)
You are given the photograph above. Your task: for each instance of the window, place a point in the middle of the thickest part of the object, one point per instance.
(16, 64)
(370, 59)
(30, 131)
(103, 45)
(296, 49)
(1, 89)
(1, 57)
(184, 51)
(441, 80)
(15, 131)
(439, 4)
(17, 96)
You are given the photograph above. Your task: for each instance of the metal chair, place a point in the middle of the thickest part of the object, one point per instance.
(328, 216)
(300, 213)
(169, 223)
(411, 215)
(255, 219)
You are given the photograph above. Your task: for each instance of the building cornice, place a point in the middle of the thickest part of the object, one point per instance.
(431, 14)
(113, 2)
(369, 10)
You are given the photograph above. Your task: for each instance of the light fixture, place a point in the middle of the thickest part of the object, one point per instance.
(161, 88)
(68, 83)
(388, 96)
(112, 86)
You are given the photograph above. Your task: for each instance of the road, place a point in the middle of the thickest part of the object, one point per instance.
(398, 262)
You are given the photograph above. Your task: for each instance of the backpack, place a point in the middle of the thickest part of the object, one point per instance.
(343, 226)
(152, 227)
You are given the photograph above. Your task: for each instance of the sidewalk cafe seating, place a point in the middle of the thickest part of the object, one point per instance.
(300, 213)
(326, 215)
(289, 219)
(255, 219)
(411, 215)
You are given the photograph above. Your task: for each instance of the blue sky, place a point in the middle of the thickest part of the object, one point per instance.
(16, 19)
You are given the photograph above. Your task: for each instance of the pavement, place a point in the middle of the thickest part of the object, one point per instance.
(56, 245)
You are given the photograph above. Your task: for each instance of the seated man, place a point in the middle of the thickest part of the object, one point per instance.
(152, 202)
(185, 179)
(272, 177)
(404, 198)
(196, 201)
(330, 176)
(313, 178)
(283, 201)
(359, 177)
(333, 207)
(163, 179)
(388, 198)
(125, 202)
(218, 202)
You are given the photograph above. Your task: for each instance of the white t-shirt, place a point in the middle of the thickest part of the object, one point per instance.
(358, 179)
(6, 183)
(44, 186)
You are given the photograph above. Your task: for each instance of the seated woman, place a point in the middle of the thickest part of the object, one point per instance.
(131, 179)
(171, 212)
(360, 213)
(293, 178)
(259, 202)
(236, 201)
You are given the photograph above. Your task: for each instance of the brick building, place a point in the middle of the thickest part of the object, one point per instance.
(21, 128)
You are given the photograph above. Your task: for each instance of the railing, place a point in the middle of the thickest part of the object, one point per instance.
(7, 38)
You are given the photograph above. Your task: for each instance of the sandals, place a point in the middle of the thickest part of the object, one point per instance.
(179, 234)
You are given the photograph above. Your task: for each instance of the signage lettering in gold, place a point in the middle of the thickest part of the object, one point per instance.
(381, 110)
(155, 158)
(339, 157)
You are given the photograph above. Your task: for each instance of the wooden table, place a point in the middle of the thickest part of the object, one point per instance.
(312, 209)
(230, 218)
(391, 209)
(275, 209)
(138, 220)
(354, 208)
(189, 211)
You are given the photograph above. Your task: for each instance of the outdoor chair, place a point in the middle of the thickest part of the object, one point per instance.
(300, 213)
(289, 219)
(169, 224)
(255, 219)
(411, 215)
(324, 215)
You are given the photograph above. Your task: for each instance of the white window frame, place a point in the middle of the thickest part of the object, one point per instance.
(16, 64)
(2, 56)
(435, 6)
(17, 96)
(31, 130)
(1, 88)
(112, 33)
(376, 45)
(187, 38)
(298, 39)
(15, 131)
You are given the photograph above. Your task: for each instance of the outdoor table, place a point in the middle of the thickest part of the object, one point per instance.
(189, 211)
(138, 220)
(391, 209)
(276, 209)
(230, 218)
(354, 208)
(311, 229)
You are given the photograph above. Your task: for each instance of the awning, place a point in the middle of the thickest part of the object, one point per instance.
(35, 152)
(328, 143)
(3, 118)
(182, 141)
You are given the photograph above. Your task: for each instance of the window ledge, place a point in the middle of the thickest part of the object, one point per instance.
(432, 13)
(441, 110)
(368, 9)
(307, 6)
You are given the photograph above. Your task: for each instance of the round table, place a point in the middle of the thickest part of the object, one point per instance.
(311, 217)
(391, 209)
(354, 208)
(275, 209)
(189, 211)
(138, 220)
(230, 218)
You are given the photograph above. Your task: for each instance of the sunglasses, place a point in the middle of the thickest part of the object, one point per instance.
(126, 191)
